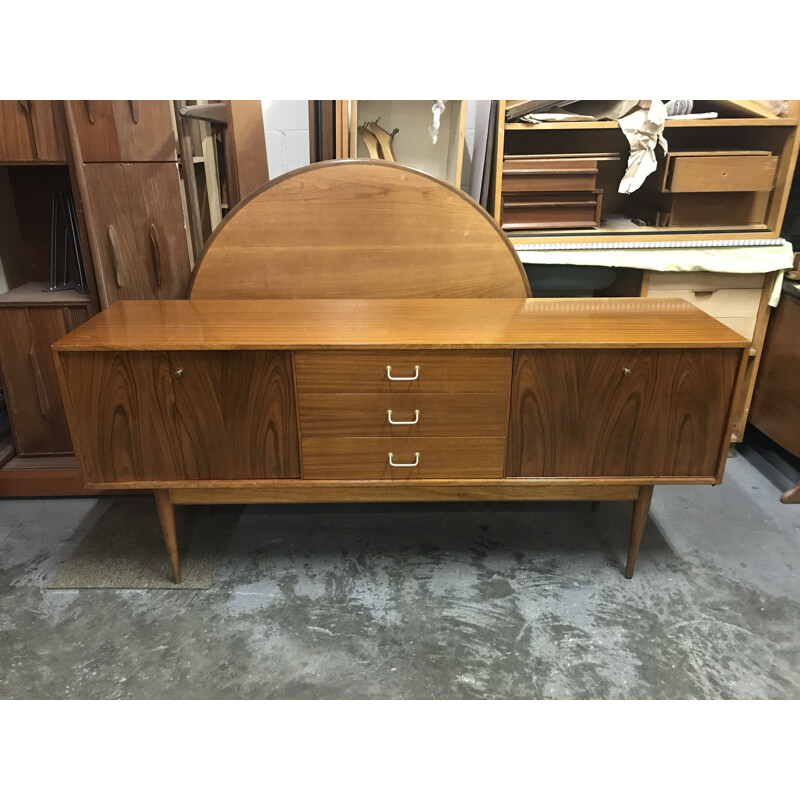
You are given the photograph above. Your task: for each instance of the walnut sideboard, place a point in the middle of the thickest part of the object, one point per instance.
(259, 401)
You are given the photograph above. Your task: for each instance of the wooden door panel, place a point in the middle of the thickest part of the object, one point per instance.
(119, 274)
(578, 414)
(122, 417)
(97, 132)
(236, 414)
(159, 226)
(144, 130)
(47, 132)
(16, 132)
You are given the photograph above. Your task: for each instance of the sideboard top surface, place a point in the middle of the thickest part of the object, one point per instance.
(399, 324)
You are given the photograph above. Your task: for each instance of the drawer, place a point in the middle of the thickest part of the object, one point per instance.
(551, 210)
(432, 457)
(552, 177)
(411, 371)
(717, 302)
(705, 281)
(413, 415)
(720, 173)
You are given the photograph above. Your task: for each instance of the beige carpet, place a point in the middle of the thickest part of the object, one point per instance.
(125, 550)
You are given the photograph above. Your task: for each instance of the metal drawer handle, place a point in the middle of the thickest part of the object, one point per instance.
(416, 461)
(407, 422)
(391, 378)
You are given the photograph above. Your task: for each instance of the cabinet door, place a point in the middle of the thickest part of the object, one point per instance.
(122, 416)
(156, 208)
(16, 131)
(235, 414)
(97, 132)
(119, 274)
(619, 413)
(36, 411)
(124, 130)
(144, 130)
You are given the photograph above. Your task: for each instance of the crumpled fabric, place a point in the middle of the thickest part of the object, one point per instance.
(644, 130)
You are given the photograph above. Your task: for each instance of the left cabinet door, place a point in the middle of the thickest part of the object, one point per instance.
(37, 414)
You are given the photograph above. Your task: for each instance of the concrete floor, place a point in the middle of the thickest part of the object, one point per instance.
(428, 601)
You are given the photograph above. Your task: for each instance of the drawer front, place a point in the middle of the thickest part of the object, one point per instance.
(411, 371)
(417, 458)
(721, 173)
(704, 281)
(717, 303)
(568, 209)
(418, 415)
(549, 180)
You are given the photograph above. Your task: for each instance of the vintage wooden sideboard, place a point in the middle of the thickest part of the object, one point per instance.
(359, 331)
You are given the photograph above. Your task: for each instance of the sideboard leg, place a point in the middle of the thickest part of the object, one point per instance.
(166, 513)
(641, 506)
(791, 495)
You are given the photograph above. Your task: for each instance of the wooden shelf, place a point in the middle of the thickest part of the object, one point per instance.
(744, 122)
(32, 294)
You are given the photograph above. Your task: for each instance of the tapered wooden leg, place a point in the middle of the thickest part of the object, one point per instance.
(166, 513)
(640, 508)
(791, 495)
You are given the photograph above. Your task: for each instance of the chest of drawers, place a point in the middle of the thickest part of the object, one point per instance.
(385, 400)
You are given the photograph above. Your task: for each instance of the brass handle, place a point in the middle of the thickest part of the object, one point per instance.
(392, 378)
(399, 422)
(133, 105)
(416, 461)
(115, 254)
(155, 251)
(38, 379)
(90, 110)
(626, 372)
(178, 373)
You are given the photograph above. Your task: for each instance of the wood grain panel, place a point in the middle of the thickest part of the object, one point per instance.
(346, 229)
(368, 458)
(445, 324)
(96, 129)
(47, 131)
(576, 413)
(16, 132)
(355, 372)
(439, 415)
(144, 130)
(116, 262)
(122, 409)
(159, 228)
(775, 409)
(35, 407)
(236, 415)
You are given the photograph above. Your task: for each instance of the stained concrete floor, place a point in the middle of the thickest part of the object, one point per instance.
(428, 601)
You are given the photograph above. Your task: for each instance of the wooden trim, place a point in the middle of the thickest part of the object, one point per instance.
(49, 482)
(497, 204)
(347, 491)
(386, 491)
(731, 418)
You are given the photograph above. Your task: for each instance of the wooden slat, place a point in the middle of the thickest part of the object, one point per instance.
(400, 324)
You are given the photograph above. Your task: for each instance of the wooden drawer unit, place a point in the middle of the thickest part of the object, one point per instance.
(720, 172)
(414, 415)
(538, 175)
(410, 458)
(551, 210)
(619, 413)
(402, 371)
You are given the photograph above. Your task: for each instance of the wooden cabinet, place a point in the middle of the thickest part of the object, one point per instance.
(724, 177)
(30, 131)
(124, 130)
(31, 321)
(137, 216)
(619, 413)
(183, 415)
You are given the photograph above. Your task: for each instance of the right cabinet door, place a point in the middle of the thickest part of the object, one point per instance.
(619, 413)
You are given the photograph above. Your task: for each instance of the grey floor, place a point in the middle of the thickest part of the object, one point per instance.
(428, 601)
